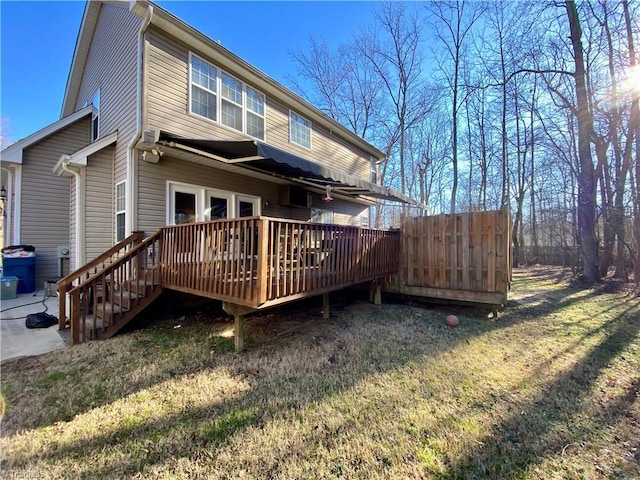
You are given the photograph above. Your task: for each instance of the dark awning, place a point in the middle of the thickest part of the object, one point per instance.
(265, 158)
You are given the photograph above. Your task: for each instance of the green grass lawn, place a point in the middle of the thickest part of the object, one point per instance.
(549, 389)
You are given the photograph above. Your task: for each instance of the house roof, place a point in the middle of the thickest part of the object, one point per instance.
(79, 157)
(196, 40)
(80, 54)
(13, 153)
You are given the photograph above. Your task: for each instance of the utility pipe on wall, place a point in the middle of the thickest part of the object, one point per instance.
(80, 209)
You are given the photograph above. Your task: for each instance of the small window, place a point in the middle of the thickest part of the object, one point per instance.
(319, 215)
(95, 116)
(121, 206)
(364, 220)
(299, 130)
(374, 170)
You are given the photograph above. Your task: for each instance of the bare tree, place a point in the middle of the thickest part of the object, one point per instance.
(5, 133)
(453, 26)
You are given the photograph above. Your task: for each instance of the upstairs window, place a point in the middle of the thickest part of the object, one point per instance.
(220, 97)
(231, 111)
(299, 130)
(255, 113)
(203, 89)
(95, 116)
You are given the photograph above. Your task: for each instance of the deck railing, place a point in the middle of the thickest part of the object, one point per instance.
(261, 261)
(101, 301)
(86, 271)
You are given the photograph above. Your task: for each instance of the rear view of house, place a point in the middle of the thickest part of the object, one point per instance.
(244, 191)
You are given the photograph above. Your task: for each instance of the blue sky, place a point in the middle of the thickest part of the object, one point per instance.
(38, 39)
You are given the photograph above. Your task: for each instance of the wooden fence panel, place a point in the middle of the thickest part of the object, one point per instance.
(463, 257)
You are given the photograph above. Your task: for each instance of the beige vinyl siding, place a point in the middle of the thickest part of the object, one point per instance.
(344, 212)
(45, 196)
(153, 193)
(111, 67)
(99, 206)
(168, 109)
(153, 190)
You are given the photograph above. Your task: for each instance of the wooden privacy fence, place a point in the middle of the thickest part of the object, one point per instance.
(463, 257)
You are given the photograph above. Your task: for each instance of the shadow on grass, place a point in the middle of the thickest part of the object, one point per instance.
(523, 440)
(392, 342)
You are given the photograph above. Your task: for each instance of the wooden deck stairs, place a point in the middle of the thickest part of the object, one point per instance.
(106, 294)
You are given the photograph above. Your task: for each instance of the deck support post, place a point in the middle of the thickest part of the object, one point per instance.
(238, 312)
(325, 306)
(375, 292)
(238, 334)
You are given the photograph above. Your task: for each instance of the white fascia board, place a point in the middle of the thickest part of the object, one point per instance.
(79, 158)
(13, 153)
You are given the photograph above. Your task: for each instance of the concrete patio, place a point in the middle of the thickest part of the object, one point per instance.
(19, 341)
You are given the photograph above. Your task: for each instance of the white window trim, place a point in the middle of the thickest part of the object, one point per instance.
(373, 170)
(202, 199)
(118, 212)
(95, 115)
(218, 95)
(291, 140)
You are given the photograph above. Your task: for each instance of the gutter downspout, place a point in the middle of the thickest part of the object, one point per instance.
(17, 206)
(80, 208)
(132, 190)
(8, 215)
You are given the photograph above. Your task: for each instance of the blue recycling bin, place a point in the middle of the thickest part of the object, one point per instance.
(24, 268)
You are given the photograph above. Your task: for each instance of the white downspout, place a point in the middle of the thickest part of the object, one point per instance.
(132, 190)
(17, 205)
(7, 209)
(80, 220)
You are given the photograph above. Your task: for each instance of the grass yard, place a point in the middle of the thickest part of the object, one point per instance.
(548, 390)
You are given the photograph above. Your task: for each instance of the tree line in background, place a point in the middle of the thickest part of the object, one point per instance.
(531, 106)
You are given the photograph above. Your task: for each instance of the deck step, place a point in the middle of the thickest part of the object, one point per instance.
(108, 309)
(126, 297)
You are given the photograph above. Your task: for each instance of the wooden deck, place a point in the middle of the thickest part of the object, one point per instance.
(248, 263)
(259, 262)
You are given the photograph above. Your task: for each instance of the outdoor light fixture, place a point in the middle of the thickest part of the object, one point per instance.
(328, 198)
(152, 156)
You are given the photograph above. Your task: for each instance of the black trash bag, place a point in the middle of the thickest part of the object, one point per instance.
(40, 320)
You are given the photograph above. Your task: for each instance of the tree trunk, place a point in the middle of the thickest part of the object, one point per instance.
(586, 177)
(634, 133)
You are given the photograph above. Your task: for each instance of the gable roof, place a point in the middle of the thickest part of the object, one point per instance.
(13, 153)
(196, 40)
(80, 54)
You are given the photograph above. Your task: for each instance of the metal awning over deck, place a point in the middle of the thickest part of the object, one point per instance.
(259, 156)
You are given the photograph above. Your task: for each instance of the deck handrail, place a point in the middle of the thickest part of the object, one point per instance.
(101, 277)
(258, 261)
(65, 283)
